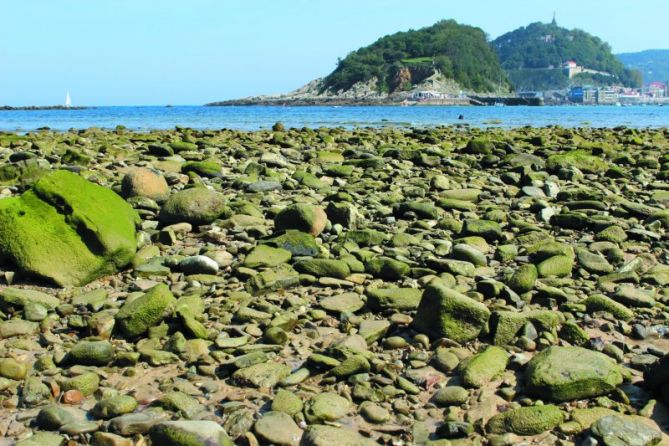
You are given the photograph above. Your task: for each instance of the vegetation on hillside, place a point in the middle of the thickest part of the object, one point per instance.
(458, 52)
(528, 54)
(653, 64)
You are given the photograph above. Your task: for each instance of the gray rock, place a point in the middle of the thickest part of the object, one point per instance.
(624, 431)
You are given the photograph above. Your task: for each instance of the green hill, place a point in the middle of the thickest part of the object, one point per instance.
(402, 60)
(653, 64)
(533, 55)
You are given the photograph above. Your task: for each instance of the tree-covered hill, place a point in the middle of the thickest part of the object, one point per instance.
(401, 60)
(653, 64)
(533, 55)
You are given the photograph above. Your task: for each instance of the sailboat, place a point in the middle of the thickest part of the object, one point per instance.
(68, 101)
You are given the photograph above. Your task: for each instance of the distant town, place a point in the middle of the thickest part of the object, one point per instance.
(654, 93)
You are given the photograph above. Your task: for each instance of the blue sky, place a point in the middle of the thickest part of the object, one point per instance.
(132, 52)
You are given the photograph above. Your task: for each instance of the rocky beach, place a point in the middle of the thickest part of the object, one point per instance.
(442, 286)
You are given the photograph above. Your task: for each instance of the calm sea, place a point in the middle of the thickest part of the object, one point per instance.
(259, 117)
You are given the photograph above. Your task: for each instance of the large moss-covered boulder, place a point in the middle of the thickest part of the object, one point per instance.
(68, 230)
(571, 373)
(444, 312)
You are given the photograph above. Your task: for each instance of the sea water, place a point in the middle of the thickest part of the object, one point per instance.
(260, 117)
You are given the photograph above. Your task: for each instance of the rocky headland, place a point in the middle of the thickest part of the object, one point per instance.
(447, 286)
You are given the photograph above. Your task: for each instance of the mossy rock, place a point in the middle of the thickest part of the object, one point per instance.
(489, 230)
(505, 325)
(86, 383)
(208, 169)
(91, 353)
(387, 268)
(366, 237)
(531, 420)
(287, 402)
(198, 206)
(189, 433)
(323, 268)
(421, 209)
(303, 217)
(296, 242)
(274, 279)
(344, 214)
(42, 439)
(524, 278)
(484, 367)
(398, 299)
(479, 146)
(580, 159)
(323, 435)
(600, 302)
(571, 373)
(556, 266)
(136, 317)
(59, 231)
(115, 406)
(263, 255)
(73, 157)
(183, 146)
(309, 180)
(444, 312)
(18, 297)
(615, 430)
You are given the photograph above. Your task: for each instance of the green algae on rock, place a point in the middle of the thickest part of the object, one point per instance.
(197, 205)
(189, 433)
(60, 231)
(323, 435)
(136, 317)
(482, 368)
(570, 373)
(531, 420)
(302, 217)
(443, 312)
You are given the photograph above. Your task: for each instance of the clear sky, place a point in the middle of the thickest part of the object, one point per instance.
(144, 52)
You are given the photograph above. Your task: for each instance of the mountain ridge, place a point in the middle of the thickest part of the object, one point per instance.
(653, 64)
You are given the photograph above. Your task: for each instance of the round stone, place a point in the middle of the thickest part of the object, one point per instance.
(143, 182)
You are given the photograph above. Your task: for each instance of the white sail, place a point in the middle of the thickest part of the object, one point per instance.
(68, 101)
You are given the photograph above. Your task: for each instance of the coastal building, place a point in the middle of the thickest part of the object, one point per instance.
(571, 68)
(657, 90)
(428, 95)
(591, 96)
(607, 96)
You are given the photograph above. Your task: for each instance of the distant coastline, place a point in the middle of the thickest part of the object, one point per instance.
(40, 107)
(365, 102)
